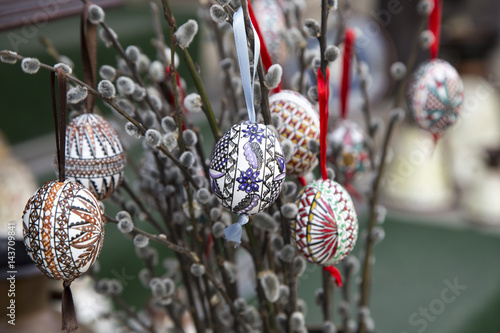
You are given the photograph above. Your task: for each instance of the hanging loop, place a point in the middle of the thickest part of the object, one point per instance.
(247, 79)
(350, 37)
(324, 94)
(59, 118)
(88, 46)
(435, 27)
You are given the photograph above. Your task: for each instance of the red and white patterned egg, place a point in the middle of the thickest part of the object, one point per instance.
(272, 25)
(300, 124)
(94, 154)
(63, 228)
(247, 170)
(435, 95)
(348, 145)
(326, 228)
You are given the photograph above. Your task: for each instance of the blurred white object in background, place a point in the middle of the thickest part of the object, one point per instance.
(477, 129)
(17, 185)
(482, 201)
(93, 309)
(418, 177)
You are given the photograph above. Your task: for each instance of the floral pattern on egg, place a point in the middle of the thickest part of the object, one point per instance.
(247, 170)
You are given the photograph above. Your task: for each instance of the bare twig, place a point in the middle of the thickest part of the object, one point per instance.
(366, 275)
(366, 270)
(327, 285)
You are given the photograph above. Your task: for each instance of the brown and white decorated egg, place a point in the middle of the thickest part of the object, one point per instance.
(63, 228)
(94, 154)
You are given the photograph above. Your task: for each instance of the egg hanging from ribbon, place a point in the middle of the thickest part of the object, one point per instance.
(247, 170)
(435, 95)
(299, 124)
(326, 227)
(273, 28)
(347, 144)
(94, 154)
(63, 228)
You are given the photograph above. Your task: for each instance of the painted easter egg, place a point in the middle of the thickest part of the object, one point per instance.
(348, 145)
(299, 124)
(94, 154)
(273, 28)
(435, 95)
(63, 228)
(326, 227)
(247, 170)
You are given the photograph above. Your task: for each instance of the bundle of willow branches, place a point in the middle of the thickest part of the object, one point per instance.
(170, 187)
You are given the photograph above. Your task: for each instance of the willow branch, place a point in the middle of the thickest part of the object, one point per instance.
(130, 64)
(227, 75)
(264, 91)
(366, 273)
(195, 75)
(142, 207)
(327, 285)
(367, 267)
(131, 312)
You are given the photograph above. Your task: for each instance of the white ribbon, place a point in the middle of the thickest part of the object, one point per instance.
(233, 232)
(247, 80)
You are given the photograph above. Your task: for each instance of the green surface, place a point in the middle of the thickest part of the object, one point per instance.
(412, 264)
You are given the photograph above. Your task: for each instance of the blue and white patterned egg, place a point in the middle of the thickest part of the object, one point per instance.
(248, 168)
(63, 227)
(326, 228)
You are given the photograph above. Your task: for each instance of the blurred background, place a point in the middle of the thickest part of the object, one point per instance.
(443, 200)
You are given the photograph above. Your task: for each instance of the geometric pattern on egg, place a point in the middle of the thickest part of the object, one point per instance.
(299, 124)
(434, 96)
(94, 154)
(63, 229)
(247, 169)
(326, 227)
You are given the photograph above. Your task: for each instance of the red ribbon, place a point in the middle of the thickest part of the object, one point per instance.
(335, 273)
(435, 27)
(302, 181)
(181, 91)
(435, 137)
(350, 36)
(264, 53)
(324, 94)
(209, 246)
